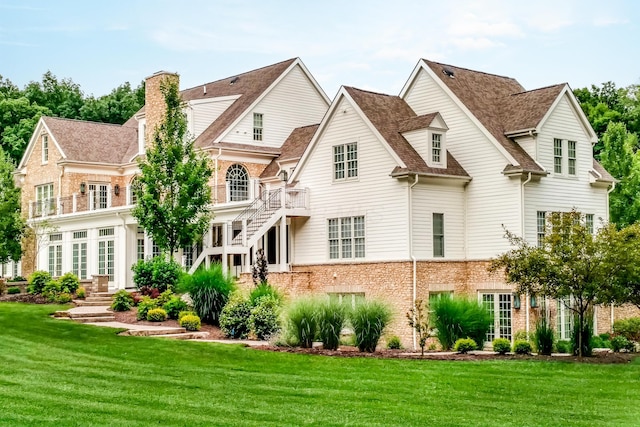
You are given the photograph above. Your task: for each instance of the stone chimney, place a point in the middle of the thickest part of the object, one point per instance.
(154, 106)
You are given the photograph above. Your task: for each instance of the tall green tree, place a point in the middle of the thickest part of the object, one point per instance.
(116, 107)
(63, 97)
(621, 158)
(12, 225)
(172, 192)
(573, 262)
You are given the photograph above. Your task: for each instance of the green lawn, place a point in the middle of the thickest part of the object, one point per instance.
(60, 373)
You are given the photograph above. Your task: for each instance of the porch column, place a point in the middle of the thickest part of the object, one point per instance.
(283, 243)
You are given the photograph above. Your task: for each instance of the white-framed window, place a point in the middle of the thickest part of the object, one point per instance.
(348, 298)
(571, 157)
(45, 149)
(100, 194)
(79, 254)
(438, 235)
(140, 244)
(499, 305)
(557, 155)
(258, 120)
(55, 254)
(564, 318)
(588, 222)
(346, 237)
(345, 161)
(436, 148)
(155, 250)
(541, 226)
(106, 252)
(45, 201)
(565, 157)
(238, 183)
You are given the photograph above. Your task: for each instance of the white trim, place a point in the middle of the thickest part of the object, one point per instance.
(212, 100)
(593, 138)
(34, 140)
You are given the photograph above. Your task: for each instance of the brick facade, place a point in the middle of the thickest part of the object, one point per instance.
(154, 105)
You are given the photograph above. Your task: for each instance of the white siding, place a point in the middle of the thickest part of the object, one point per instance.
(492, 198)
(562, 193)
(294, 102)
(205, 113)
(381, 199)
(530, 146)
(438, 198)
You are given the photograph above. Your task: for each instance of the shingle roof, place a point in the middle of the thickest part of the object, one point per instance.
(418, 122)
(606, 176)
(485, 95)
(292, 149)
(525, 110)
(249, 85)
(93, 142)
(388, 114)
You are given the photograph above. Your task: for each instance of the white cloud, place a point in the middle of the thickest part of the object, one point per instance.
(475, 43)
(475, 26)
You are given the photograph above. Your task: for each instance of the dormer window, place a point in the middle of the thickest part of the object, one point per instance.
(257, 126)
(436, 154)
(45, 148)
(436, 147)
(564, 157)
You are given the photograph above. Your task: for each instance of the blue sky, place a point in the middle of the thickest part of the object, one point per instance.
(370, 44)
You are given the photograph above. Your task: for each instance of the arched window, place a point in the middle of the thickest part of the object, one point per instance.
(238, 183)
(134, 185)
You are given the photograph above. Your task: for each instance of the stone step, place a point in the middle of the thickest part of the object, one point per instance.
(89, 314)
(184, 336)
(61, 314)
(101, 294)
(109, 299)
(153, 332)
(94, 319)
(83, 303)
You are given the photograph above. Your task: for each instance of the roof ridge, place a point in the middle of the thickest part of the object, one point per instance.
(83, 121)
(307, 126)
(371, 92)
(238, 75)
(469, 69)
(539, 88)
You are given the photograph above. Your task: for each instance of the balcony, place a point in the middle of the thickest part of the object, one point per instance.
(90, 201)
(224, 193)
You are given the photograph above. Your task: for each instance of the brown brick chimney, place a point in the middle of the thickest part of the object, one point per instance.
(154, 106)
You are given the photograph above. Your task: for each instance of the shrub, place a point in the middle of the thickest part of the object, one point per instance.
(234, 319)
(122, 301)
(620, 342)
(264, 289)
(264, 317)
(587, 333)
(51, 290)
(455, 318)
(17, 279)
(563, 346)
(190, 322)
(544, 337)
(522, 347)
(12, 290)
(520, 335)
(628, 328)
(369, 320)
(69, 283)
(165, 297)
(186, 313)
(37, 281)
(175, 306)
(302, 321)
(465, 345)
(501, 345)
(156, 315)
(393, 343)
(156, 273)
(209, 290)
(63, 298)
(598, 342)
(144, 306)
(81, 293)
(331, 317)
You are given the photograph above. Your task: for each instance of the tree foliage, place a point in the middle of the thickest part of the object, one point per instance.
(573, 262)
(172, 192)
(12, 225)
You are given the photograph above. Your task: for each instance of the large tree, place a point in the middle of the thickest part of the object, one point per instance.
(116, 107)
(172, 189)
(573, 263)
(11, 223)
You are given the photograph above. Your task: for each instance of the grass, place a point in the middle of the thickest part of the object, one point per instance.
(55, 372)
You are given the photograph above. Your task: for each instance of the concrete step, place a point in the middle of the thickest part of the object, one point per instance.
(157, 331)
(184, 336)
(84, 303)
(94, 319)
(89, 314)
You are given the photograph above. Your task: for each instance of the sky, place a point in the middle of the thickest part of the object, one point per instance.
(372, 45)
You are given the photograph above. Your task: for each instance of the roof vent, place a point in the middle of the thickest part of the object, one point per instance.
(233, 80)
(204, 89)
(448, 72)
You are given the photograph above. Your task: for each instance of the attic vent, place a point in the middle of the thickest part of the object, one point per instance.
(204, 89)
(233, 80)
(448, 72)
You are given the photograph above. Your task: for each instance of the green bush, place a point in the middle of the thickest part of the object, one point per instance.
(165, 297)
(122, 301)
(63, 298)
(156, 273)
(12, 290)
(522, 347)
(331, 318)
(69, 283)
(628, 328)
(190, 322)
(81, 293)
(175, 306)
(264, 289)
(455, 318)
(186, 313)
(620, 342)
(544, 336)
(51, 290)
(302, 321)
(209, 290)
(369, 320)
(17, 279)
(234, 319)
(598, 342)
(501, 345)
(157, 315)
(144, 306)
(37, 281)
(587, 333)
(393, 343)
(520, 335)
(465, 345)
(563, 347)
(264, 317)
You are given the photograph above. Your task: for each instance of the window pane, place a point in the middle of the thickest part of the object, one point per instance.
(557, 155)
(338, 162)
(438, 235)
(436, 146)
(352, 160)
(541, 226)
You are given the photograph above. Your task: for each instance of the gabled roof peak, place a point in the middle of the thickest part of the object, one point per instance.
(467, 69)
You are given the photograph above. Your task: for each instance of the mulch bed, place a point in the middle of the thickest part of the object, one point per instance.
(26, 298)
(130, 317)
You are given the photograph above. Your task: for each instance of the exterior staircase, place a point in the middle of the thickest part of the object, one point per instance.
(254, 217)
(97, 299)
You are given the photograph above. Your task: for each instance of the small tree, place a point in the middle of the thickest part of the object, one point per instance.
(260, 269)
(419, 321)
(172, 192)
(12, 225)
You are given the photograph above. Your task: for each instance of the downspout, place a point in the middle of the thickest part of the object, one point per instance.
(526, 297)
(613, 186)
(413, 260)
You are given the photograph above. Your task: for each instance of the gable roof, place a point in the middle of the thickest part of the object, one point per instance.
(417, 122)
(249, 85)
(292, 149)
(388, 114)
(525, 110)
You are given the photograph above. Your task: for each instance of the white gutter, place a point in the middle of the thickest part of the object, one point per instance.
(526, 297)
(613, 186)
(413, 259)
